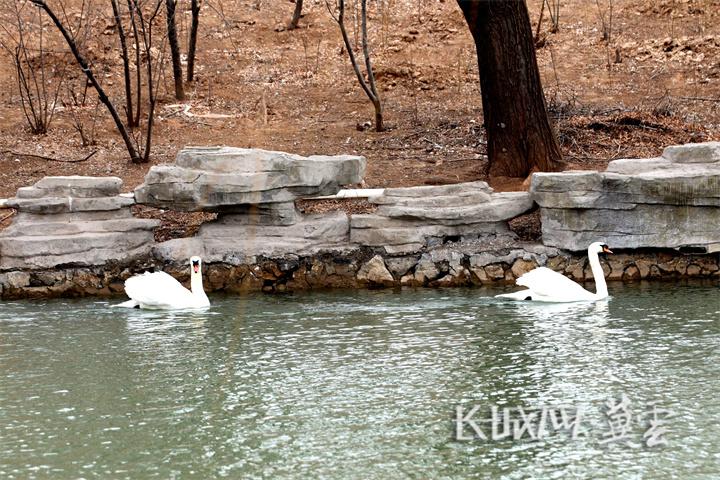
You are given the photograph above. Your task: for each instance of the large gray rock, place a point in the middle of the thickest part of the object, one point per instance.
(93, 228)
(408, 219)
(72, 186)
(52, 205)
(231, 240)
(668, 202)
(707, 152)
(221, 178)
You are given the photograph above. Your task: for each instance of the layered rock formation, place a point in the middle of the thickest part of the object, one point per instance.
(254, 192)
(75, 221)
(668, 202)
(224, 178)
(408, 219)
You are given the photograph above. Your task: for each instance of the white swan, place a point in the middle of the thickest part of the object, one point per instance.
(160, 291)
(545, 285)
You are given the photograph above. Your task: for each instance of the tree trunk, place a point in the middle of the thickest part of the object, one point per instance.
(379, 123)
(174, 49)
(519, 136)
(138, 74)
(296, 14)
(126, 65)
(192, 44)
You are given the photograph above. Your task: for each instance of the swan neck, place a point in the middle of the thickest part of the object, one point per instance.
(196, 283)
(598, 275)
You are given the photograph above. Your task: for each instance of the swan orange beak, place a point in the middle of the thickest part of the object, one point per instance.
(196, 268)
(606, 249)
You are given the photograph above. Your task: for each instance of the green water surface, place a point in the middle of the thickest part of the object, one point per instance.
(358, 384)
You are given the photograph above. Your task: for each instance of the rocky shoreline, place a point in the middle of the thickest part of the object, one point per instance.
(450, 265)
(76, 236)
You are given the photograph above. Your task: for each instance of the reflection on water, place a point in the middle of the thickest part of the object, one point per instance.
(354, 385)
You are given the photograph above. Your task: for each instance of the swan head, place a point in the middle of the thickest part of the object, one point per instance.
(195, 265)
(599, 247)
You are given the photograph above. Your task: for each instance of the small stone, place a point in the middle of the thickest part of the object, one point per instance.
(375, 272)
(557, 263)
(495, 272)
(681, 266)
(479, 275)
(15, 279)
(644, 267)
(399, 266)
(631, 273)
(693, 270)
(521, 267)
(575, 270)
(425, 270)
(617, 268)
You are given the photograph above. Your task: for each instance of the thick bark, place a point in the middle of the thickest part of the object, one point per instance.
(192, 44)
(520, 138)
(174, 49)
(93, 81)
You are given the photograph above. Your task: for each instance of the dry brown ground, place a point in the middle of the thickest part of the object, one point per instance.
(664, 90)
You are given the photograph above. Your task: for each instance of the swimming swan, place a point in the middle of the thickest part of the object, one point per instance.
(160, 291)
(545, 285)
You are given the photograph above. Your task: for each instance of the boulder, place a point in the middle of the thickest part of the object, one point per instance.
(222, 178)
(671, 201)
(92, 228)
(231, 240)
(408, 219)
(72, 186)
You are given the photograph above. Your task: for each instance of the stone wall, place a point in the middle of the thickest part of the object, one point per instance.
(254, 192)
(667, 202)
(73, 221)
(76, 236)
(448, 265)
(409, 219)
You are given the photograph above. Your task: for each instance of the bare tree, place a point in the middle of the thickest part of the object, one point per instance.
(192, 44)
(554, 10)
(138, 148)
(174, 48)
(368, 85)
(296, 15)
(519, 136)
(38, 89)
(146, 31)
(91, 78)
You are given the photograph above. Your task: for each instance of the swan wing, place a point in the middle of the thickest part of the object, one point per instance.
(521, 295)
(550, 284)
(128, 304)
(158, 290)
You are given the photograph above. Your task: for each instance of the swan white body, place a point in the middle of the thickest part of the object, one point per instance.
(160, 291)
(545, 285)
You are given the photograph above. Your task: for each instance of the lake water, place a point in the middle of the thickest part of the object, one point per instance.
(362, 384)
